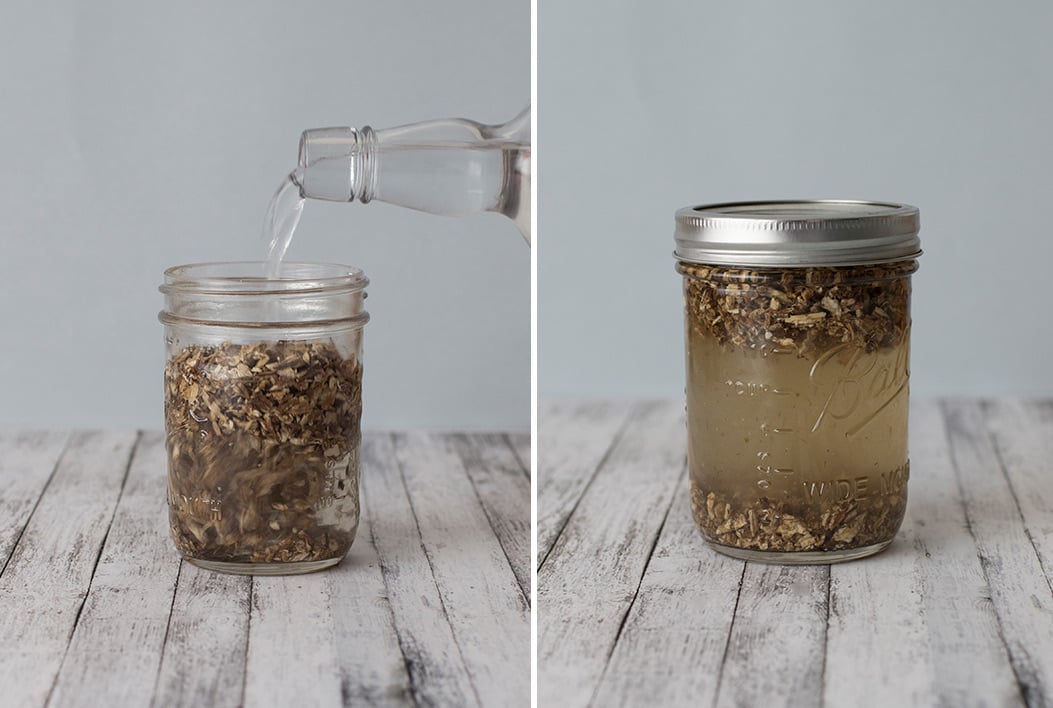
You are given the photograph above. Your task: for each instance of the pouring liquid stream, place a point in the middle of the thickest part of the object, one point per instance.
(283, 215)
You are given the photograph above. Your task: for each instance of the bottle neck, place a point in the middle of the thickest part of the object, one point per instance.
(338, 164)
(452, 167)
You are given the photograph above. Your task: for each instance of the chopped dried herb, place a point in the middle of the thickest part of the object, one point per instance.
(806, 309)
(787, 526)
(263, 445)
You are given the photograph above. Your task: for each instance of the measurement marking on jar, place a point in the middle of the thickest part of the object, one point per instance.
(771, 469)
(754, 388)
(199, 507)
(775, 430)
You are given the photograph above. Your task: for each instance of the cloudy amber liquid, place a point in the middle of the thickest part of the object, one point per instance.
(807, 430)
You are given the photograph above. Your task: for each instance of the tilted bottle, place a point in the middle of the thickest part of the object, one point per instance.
(452, 167)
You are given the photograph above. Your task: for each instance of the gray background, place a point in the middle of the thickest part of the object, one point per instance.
(137, 136)
(646, 107)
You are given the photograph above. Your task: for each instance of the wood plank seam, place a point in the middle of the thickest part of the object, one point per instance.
(585, 488)
(442, 600)
(523, 464)
(727, 640)
(524, 593)
(36, 503)
(95, 565)
(1030, 684)
(985, 562)
(245, 649)
(826, 635)
(168, 627)
(407, 662)
(636, 593)
(985, 407)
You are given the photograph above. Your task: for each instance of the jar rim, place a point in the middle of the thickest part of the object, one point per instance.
(248, 278)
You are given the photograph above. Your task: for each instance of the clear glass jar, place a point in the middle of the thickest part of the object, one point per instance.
(798, 349)
(263, 403)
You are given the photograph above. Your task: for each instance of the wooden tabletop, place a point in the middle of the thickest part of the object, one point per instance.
(635, 610)
(431, 606)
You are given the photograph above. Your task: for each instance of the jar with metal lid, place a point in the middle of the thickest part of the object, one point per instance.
(263, 403)
(798, 350)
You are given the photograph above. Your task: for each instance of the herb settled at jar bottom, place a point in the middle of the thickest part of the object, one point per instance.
(263, 443)
(797, 399)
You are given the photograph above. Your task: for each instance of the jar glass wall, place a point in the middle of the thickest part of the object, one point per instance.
(797, 386)
(263, 386)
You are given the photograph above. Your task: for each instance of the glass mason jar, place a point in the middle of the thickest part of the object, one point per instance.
(263, 403)
(798, 350)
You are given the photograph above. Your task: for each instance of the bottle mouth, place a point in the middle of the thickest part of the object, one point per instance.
(326, 157)
(248, 278)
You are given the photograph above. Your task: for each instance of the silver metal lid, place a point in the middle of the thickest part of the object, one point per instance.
(797, 233)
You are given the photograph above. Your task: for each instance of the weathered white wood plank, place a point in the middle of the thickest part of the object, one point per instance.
(520, 443)
(504, 492)
(436, 668)
(329, 636)
(776, 648)
(877, 641)
(588, 583)
(672, 646)
(574, 438)
(115, 651)
(27, 459)
(914, 625)
(488, 612)
(43, 588)
(203, 663)
(1021, 592)
(1023, 434)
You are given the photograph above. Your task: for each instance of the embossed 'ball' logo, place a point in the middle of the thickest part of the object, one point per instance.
(862, 386)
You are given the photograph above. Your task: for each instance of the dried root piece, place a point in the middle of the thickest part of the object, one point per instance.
(786, 527)
(809, 310)
(262, 445)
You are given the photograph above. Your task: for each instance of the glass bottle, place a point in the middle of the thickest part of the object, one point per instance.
(263, 403)
(452, 167)
(797, 334)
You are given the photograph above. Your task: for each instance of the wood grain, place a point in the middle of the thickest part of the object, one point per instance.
(504, 492)
(776, 650)
(327, 635)
(1019, 588)
(26, 465)
(115, 652)
(573, 441)
(43, 587)
(919, 615)
(436, 667)
(520, 444)
(488, 611)
(590, 579)
(672, 647)
(203, 660)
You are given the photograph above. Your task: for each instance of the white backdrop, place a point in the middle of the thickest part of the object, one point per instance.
(653, 105)
(136, 136)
